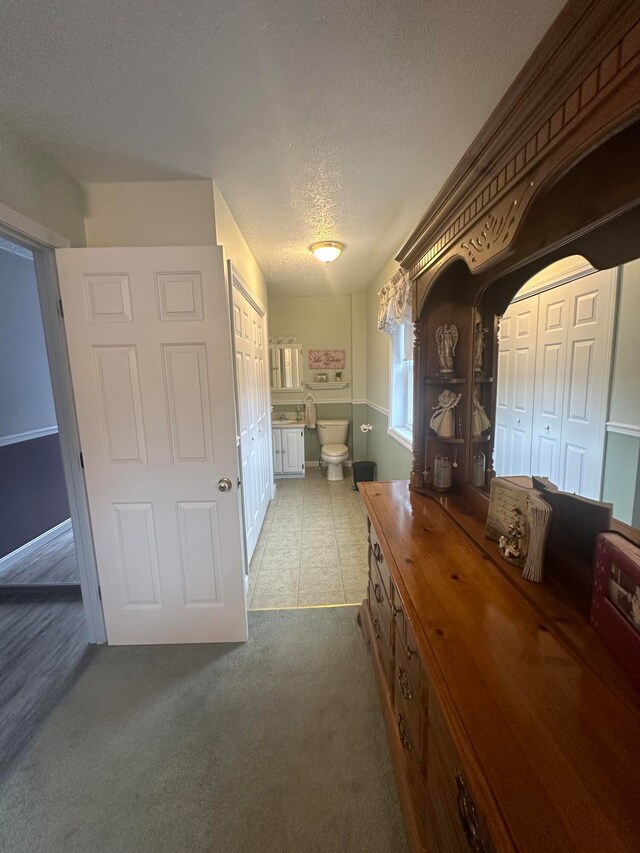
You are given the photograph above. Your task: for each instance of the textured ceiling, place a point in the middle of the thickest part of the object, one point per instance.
(317, 120)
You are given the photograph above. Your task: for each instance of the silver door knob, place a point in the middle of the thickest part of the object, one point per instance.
(547, 426)
(517, 420)
(225, 484)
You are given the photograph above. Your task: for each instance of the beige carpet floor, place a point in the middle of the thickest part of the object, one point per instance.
(274, 745)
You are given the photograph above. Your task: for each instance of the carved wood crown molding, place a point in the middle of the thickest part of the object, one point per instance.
(502, 199)
(498, 227)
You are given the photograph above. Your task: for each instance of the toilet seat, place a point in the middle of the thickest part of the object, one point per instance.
(334, 450)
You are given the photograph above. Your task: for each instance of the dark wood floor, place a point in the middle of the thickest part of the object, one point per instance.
(54, 563)
(43, 647)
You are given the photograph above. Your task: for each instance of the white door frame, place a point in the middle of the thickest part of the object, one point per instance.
(42, 242)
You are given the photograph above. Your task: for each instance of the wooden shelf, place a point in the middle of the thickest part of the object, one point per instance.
(455, 380)
(319, 386)
(482, 379)
(446, 440)
(480, 439)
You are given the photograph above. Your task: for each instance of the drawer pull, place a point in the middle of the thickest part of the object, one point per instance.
(395, 610)
(376, 628)
(469, 818)
(405, 740)
(378, 594)
(410, 652)
(377, 553)
(405, 687)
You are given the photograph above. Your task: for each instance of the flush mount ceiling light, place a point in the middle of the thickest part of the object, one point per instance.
(326, 251)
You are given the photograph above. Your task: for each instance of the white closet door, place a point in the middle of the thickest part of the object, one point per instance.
(587, 370)
(563, 366)
(151, 363)
(551, 352)
(253, 412)
(515, 389)
(262, 415)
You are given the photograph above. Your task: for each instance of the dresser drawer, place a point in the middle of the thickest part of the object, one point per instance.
(379, 596)
(441, 807)
(409, 703)
(411, 751)
(382, 639)
(453, 810)
(412, 658)
(377, 559)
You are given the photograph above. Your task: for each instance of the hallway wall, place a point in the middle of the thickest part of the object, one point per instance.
(32, 184)
(33, 496)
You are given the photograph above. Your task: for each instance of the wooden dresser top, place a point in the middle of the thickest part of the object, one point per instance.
(550, 746)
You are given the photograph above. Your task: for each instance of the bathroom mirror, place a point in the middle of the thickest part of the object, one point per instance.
(285, 363)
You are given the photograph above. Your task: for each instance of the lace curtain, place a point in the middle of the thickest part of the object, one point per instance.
(396, 303)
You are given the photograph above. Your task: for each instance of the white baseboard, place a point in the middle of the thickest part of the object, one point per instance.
(29, 547)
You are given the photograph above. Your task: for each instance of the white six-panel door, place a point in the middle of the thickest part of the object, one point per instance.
(550, 357)
(551, 410)
(515, 390)
(253, 412)
(151, 361)
(588, 342)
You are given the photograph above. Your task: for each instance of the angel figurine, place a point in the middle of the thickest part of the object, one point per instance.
(479, 420)
(446, 338)
(478, 346)
(442, 421)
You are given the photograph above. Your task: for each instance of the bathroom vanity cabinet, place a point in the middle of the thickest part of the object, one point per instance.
(288, 451)
(509, 726)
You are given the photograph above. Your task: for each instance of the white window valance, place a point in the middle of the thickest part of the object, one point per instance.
(396, 303)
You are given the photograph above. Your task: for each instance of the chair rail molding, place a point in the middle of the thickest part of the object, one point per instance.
(624, 429)
(17, 437)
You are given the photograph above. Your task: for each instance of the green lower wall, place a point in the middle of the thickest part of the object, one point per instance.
(392, 459)
(622, 477)
(359, 438)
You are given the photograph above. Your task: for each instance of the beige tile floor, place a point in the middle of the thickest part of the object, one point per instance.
(312, 548)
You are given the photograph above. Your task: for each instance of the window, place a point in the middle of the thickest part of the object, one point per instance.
(401, 390)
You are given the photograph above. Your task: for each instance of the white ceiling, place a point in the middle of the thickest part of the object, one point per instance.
(334, 119)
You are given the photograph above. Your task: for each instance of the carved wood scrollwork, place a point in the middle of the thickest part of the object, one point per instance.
(498, 228)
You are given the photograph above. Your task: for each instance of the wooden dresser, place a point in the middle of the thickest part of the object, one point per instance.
(509, 727)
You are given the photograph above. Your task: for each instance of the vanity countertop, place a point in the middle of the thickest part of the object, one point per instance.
(286, 424)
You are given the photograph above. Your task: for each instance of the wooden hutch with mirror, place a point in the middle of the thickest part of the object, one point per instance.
(510, 724)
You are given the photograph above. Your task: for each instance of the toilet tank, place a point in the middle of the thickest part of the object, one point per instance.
(332, 431)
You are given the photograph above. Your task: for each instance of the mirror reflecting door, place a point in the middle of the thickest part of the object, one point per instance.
(285, 363)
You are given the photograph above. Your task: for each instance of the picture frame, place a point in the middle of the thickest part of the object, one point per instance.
(322, 377)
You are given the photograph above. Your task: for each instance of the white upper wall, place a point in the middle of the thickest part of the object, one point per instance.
(150, 213)
(624, 406)
(317, 322)
(236, 249)
(32, 184)
(169, 213)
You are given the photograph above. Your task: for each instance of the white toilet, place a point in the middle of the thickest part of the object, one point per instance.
(332, 435)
